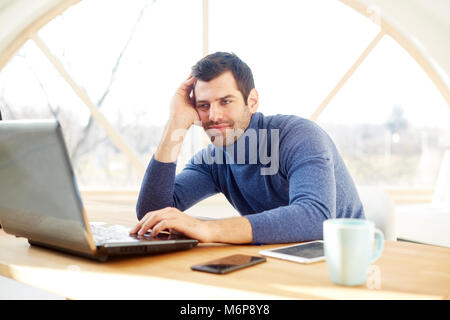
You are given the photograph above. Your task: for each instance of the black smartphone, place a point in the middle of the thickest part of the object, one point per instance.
(228, 264)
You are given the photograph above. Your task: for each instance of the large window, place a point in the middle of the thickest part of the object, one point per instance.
(388, 120)
(129, 57)
(298, 50)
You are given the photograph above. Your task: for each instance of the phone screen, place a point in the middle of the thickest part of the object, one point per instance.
(228, 264)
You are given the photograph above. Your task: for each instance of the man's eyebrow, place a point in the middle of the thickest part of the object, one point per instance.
(221, 98)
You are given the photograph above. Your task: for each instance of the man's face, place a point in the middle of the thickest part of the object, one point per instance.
(222, 109)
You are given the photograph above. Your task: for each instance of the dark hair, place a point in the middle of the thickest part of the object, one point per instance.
(215, 64)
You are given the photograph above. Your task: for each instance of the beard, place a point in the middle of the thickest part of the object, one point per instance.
(232, 132)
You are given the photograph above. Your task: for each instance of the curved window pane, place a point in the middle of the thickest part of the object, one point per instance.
(298, 50)
(129, 57)
(389, 121)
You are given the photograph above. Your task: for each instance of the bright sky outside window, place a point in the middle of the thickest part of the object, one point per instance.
(298, 51)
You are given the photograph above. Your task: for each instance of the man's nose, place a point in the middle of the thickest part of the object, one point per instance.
(215, 113)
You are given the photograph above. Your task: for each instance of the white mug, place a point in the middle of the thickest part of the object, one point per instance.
(349, 251)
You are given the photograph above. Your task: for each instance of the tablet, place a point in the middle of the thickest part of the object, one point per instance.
(307, 252)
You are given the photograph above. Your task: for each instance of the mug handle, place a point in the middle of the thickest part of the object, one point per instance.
(379, 237)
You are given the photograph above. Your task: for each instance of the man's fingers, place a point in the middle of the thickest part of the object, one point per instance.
(143, 220)
(187, 84)
(144, 228)
(172, 219)
(162, 225)
(149, 223)
(137, 227)
(155, 217)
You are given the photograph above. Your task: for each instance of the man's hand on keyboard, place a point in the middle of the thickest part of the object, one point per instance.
(173, 219)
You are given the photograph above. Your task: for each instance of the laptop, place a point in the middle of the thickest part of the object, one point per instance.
(40, 201)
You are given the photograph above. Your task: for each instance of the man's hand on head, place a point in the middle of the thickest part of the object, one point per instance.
(182, 115)
(182, 109)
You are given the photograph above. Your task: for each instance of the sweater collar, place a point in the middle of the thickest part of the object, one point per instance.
(254, 121)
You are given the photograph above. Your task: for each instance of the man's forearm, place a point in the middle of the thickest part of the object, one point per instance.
(233, 230)
(171, 142)
(182, 115)
(157, 186)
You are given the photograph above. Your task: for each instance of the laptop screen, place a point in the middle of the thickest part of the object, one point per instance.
(39, 198)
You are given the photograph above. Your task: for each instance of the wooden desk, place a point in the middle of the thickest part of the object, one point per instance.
(406, 271)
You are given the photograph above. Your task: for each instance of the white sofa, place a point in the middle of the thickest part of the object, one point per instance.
(429, 223)
(424, 223)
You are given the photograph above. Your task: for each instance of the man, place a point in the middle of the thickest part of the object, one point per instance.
(282, 197)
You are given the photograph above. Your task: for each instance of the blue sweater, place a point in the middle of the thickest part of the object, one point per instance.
(303, 184)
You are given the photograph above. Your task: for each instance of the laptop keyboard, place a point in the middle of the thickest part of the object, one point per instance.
(104, 233)
(107, 233)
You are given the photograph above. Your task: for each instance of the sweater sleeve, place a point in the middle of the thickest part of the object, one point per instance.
(161, 188)
(312, 194)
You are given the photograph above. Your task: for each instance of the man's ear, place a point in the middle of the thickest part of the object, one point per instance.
(253, 100)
